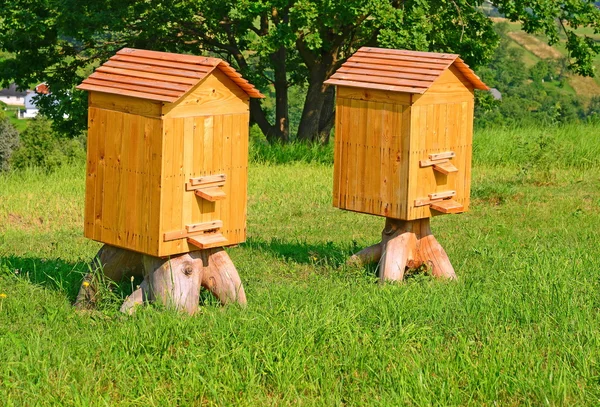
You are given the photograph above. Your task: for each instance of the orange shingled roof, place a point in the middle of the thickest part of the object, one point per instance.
(399, 70)
(161, 76)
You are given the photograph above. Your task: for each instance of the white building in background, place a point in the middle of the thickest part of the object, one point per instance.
(31, 109)
(12, 96)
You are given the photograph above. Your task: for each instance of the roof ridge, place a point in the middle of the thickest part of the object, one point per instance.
(140, 66)
(401, 68)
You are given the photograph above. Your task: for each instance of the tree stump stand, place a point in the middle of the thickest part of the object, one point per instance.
(406, 244)
(174, 282)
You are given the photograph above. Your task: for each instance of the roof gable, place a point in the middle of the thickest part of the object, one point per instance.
(399, 70)
(160, 76)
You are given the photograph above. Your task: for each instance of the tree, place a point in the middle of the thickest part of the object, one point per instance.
(275, 43)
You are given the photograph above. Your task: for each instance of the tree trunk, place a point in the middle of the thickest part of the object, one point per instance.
(282, 122)
(174, 282)
(259, 117)
(327, 118)
(406, 245)
(308, 129)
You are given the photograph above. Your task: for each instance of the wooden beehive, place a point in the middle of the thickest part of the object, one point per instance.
(167, 152)
(403, 133)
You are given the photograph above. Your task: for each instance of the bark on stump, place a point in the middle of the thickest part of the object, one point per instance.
(406, 244)
(174, 282)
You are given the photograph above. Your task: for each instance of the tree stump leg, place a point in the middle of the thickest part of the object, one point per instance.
(404, 244)
(368, 255)
(113, 263)
(174, 282)
(221, 277)
(137, 298)
(398, 250)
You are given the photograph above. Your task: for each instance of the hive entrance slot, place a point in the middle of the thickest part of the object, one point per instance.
(440, 162)
(209, 187)
(192, 230)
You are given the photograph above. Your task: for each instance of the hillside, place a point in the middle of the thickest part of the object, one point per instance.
(536, 48)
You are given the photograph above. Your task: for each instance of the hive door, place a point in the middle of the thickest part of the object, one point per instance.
(440, 160)
(204, 182)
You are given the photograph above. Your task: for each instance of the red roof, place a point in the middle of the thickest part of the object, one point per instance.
(161, 76)
(399, 70)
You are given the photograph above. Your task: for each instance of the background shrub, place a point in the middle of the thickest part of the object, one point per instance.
(42, 147)
(9, 140)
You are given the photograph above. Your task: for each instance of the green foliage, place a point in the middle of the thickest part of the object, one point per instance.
(43, 147)
(278, 43)
(540, 72)
(9, 140)
(593, 112)
(529, 96)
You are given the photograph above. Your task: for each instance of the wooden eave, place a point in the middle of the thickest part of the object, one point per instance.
(159, 76)
(399, 70)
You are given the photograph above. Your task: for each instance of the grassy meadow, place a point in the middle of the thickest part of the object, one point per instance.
(521, 326)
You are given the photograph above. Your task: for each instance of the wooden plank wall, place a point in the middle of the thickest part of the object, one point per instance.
(442, 120)
(371, 154)
(199, 146)
(123, 179)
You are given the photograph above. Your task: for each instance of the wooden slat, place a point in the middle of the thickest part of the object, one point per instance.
(445, 168)
(191, 230)
(208, 179)
(146, 75)
(401, 71)
(442, 155)
(374, 95)
(141, 89)
(442, 195)
(132, 188)
(217, 184)
(402, 67)
(365, 85)
(92, 171)
(186, 63)
(400, 60)
(126, 92)
(423, 54)
(189, 199)
(219, 194)
(429, 163)
(425, 201)
(211, 194)
(447, 206)
(125, 104)
(204, 226)
(432, 60)
(208, 240)
(382, 80)
(385, 74)
(141, 82)
(168, 56)
(154, 69)
(162, 63)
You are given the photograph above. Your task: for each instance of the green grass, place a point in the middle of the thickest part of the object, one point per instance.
(520, 326)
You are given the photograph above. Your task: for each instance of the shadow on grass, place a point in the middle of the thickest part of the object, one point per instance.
(52, 273)
(329, 253)
(56, 274)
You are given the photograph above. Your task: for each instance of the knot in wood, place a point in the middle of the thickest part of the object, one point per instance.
(188, 270)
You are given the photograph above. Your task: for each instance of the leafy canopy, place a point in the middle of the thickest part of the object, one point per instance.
(301, 41)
